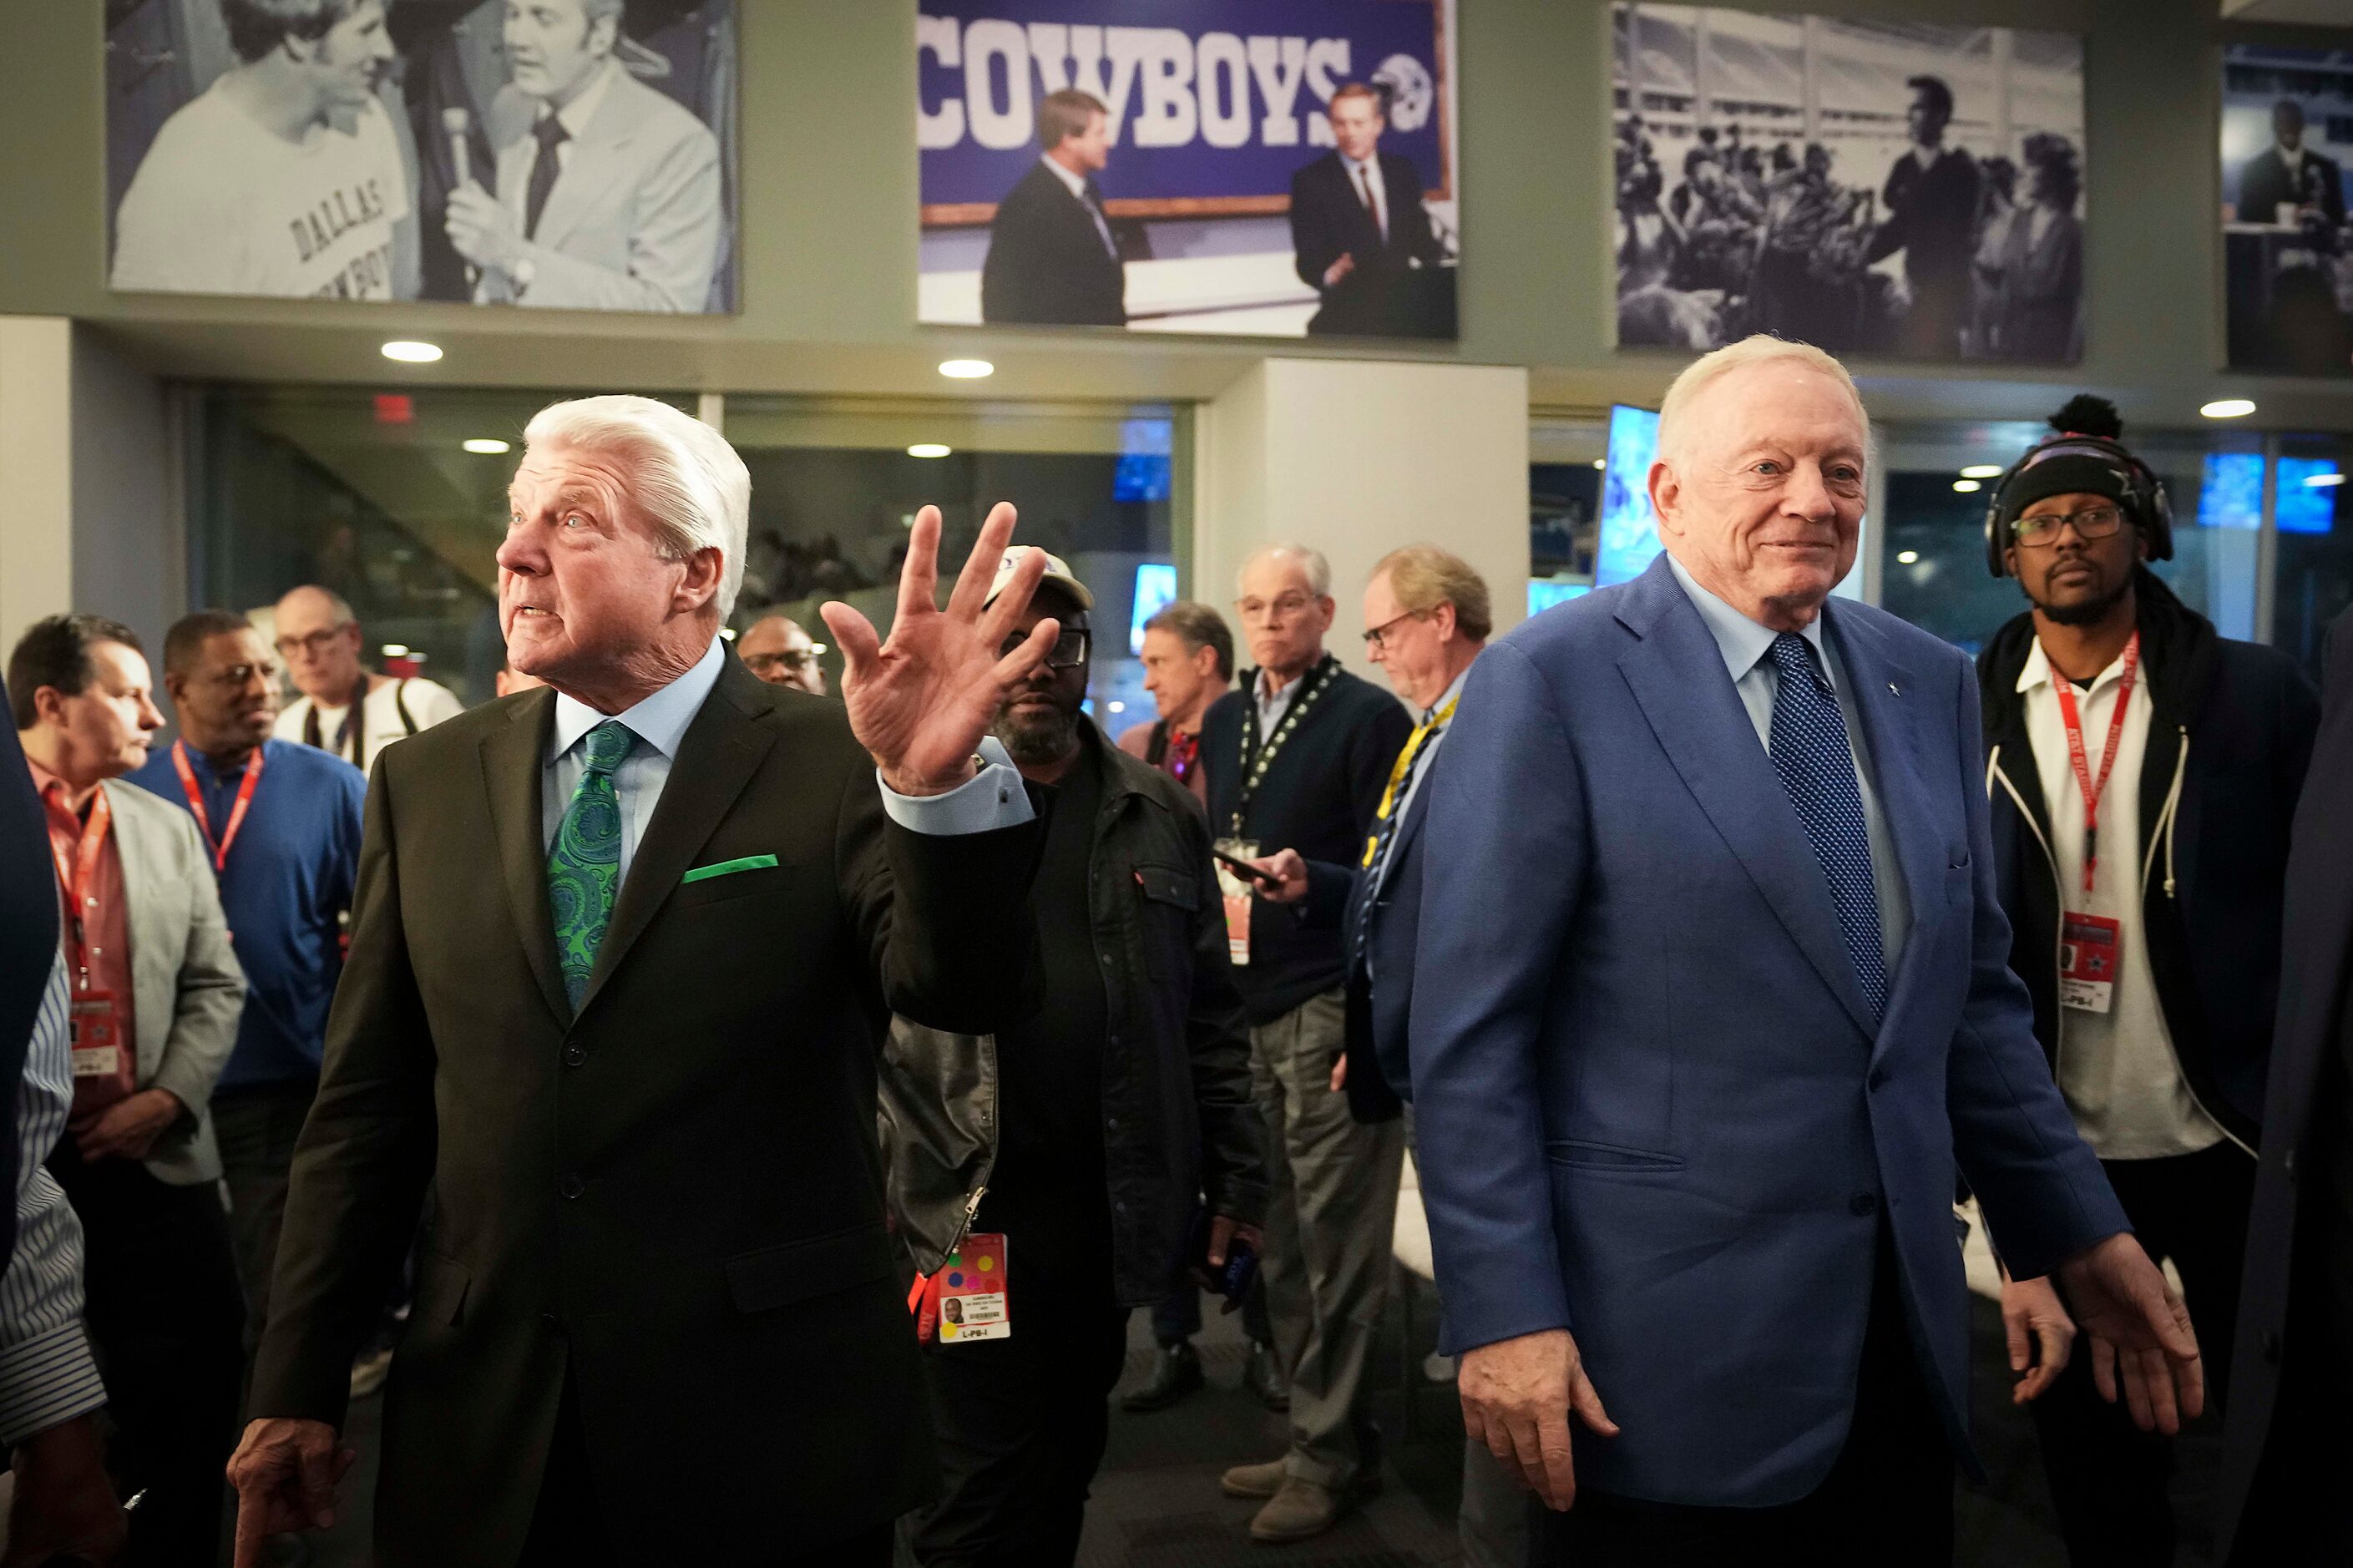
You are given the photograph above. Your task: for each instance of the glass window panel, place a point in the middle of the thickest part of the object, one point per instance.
(1564, 507)
(2314, 580)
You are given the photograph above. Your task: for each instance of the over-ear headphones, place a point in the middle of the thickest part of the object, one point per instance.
(2146, 501)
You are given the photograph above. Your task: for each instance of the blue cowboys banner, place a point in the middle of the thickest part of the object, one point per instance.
(1178, 164)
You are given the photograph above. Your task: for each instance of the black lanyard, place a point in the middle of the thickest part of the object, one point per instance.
(1258, 758)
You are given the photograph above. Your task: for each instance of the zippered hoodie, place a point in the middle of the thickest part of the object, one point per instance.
(2228, 738)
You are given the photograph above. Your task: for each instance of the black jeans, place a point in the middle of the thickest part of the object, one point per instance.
(1886, 1503)
(2109, 1478)
(257, 1126)
(1022, 1420)
(166, 1316)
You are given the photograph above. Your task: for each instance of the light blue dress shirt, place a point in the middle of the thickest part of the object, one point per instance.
(1429, 754)
(1744, 644)
(994, 799)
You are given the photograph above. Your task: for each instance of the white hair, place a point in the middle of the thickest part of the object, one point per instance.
(691, 484)
(1761, 348)
(1311, 563)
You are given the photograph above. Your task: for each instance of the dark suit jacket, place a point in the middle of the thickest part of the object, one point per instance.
(28, 943)
(2267, 181)
(1319, 796)
(2305, 1130)
(1380, 990)
(672, 1201)
(1047, 261)
(1328, 220)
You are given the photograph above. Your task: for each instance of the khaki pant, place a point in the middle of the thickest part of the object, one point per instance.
(1331, 1212)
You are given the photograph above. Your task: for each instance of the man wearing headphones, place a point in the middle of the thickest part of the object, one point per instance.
(2142, 773)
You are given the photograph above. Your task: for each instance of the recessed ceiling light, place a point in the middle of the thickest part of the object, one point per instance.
(1601, 463)
(966, 369)
(929, 449)
(1968, 487)
(2227, 408)
(2322, 481)
(1982, 471)
(488, 445)
(1907, 558)
(408, 351)
(395, 650)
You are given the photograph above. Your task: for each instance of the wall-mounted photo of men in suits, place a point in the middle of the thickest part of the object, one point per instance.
(1875, 187)
(577, 154)
(1278, 169)
(2287, 128)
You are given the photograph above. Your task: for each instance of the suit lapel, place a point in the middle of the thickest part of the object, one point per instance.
(590, 172)
(511, 757)
(1888, 691)
(1677, 676)
(721, 750)
(144, 923)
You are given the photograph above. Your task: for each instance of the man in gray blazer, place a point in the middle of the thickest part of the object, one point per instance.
(609, 191)
(155, 1001)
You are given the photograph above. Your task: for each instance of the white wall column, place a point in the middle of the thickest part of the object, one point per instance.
(35, 471)
(1356, 457)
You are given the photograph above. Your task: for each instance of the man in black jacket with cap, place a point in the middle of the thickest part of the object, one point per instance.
(2142, 772)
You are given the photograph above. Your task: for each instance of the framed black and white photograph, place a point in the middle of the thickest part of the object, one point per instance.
(578, 155)
(2287, 130)
(1897, 188)
(1285, 168)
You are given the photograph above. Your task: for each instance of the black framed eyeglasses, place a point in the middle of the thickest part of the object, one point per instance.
(1070, 651)
(2091, 522)
(1377, 639)
(793, 658)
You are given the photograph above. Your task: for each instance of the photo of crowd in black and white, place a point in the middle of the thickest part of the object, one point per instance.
(1872, 187)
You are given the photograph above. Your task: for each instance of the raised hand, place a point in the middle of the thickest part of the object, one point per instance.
(2141, 1339)
(920, 701)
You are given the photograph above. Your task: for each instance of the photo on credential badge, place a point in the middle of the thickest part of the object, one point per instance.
(2287, 128)
(1895, 188)
(1281, 169)
(580, 154)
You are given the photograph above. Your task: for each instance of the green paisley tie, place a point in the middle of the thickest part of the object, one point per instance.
(584, 869)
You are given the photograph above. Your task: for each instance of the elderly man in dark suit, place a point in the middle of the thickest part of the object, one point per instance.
(1357, 223)
(1052, 258)
(655, 1313)
(1932, 215)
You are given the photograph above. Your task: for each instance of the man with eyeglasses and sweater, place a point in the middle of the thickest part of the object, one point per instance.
(2142, 772)
(1298, 759)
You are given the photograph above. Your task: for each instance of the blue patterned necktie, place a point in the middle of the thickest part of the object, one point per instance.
(1817, 768)
(584, 869)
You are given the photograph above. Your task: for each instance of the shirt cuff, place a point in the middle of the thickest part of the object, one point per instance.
(995, 799)
(46, 1381)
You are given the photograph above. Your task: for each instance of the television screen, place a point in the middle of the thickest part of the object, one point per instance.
(1543, 595)
(1629, 534)
(1155, 590)
(1143, 473)
(2231, 493)
(2306, 502)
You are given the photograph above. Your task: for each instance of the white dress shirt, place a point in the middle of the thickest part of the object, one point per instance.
(2118, 1068)
(575, 116)
(1366, 172)
(994, 799)
(1077, 185)
(1744, 644)
(1428, 755)
(46, 1375)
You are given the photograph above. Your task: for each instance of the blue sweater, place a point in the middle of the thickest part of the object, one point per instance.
(289, 880)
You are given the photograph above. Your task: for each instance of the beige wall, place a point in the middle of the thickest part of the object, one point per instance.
(1357, 458)
(35, 472)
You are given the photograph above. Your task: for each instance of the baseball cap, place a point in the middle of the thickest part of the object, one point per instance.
(1058, 571)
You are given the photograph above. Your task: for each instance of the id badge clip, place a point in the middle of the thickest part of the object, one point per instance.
(2088, 949)
(1237, 896)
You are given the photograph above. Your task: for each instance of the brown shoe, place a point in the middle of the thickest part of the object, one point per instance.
(1301, 1510)
(1254, 1480)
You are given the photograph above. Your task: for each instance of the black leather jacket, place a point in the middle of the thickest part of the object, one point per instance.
(1181, 1126)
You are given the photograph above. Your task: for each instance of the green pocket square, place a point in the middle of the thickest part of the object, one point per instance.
(727, 867)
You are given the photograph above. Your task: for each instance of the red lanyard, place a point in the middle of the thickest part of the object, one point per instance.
(196, 801)
(2076, 755)
(74, 875)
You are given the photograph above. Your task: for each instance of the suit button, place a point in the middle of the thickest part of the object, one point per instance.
(575, 1054)
(1878, 1080)
(571, 1187)
(1863, 1203)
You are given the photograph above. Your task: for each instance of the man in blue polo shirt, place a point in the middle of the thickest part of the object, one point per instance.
(281, 823)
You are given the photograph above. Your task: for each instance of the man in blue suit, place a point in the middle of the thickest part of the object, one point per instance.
(1713, 1019)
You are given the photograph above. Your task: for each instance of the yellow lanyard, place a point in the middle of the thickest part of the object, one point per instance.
(1403, 770)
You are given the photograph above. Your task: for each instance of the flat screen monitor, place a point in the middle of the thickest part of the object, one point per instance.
(1155, 590)
(2306, 502)
(1543, 595)
(2231, 492)
(1629, 534)
(1144, 470)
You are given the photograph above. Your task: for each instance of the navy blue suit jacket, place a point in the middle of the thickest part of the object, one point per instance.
(1654, 1108)
(1392, 923)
